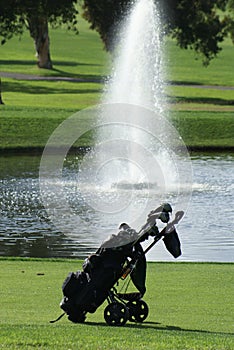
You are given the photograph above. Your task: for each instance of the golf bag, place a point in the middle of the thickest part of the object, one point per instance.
(84, 291)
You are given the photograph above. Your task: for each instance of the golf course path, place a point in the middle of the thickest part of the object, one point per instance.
(23, 76)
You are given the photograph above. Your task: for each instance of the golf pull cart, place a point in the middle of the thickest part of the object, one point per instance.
(84, 291)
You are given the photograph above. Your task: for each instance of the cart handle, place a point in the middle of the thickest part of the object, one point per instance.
(168, 229)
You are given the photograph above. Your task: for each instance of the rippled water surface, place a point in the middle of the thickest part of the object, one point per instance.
(206, 232)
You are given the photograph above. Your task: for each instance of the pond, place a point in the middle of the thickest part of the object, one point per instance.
(206, 231)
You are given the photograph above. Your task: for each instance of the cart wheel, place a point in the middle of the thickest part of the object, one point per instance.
(138, 310)
(116, 314)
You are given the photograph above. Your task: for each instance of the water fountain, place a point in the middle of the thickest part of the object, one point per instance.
(136, 80)
(139, 160)
(135, 121)
(137, 74)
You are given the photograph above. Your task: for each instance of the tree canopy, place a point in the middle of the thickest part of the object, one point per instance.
(104, 16)
(14, 15)
(18, 15)
(199, 24)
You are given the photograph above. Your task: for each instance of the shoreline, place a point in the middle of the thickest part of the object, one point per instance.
(80, 261)
(82, 150)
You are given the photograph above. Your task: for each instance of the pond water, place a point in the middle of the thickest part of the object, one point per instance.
(206, 231)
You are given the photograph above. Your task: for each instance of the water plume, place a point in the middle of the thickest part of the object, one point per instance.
(137, 71)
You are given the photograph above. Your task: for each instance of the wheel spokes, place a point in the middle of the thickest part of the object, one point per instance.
(138, 310)
(116, 314)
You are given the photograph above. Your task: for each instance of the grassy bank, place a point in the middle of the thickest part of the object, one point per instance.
(205, 129)
(191, 307)
(33, 109)
(29, 127)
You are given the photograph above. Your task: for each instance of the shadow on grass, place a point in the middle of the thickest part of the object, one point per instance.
(199, 85)
(158, 326)
(72, 63)
(46, 74)
(18, 62)
(27, 88)
(62, 74)
(202, 100)
(92, 78)
(175, 82)
(54, 62)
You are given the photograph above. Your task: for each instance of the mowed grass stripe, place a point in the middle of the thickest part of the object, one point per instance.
(191, 307)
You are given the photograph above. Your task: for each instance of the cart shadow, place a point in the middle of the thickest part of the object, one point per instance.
(158, 326)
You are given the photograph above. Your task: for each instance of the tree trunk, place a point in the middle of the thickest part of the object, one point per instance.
(1, 101)
(38, 27)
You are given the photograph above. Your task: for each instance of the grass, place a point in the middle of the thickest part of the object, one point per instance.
(72, 55)
(191, 307)
(59, 95)
(190, 98)
(182, 66)
(33, 109)
(34, 126)
(205, 129)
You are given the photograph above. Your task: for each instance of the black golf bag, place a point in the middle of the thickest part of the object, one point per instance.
(84, 291)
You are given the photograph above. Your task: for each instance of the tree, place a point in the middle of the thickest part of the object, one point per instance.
(10, 23)
(18, 15)
(104, 16)
(199, 24)
(1, 101)
(230, 8)
(39, 31)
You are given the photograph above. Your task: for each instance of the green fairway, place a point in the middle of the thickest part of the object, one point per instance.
(72, 55)
(191, 307)
(33, 109)
(183, 66)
